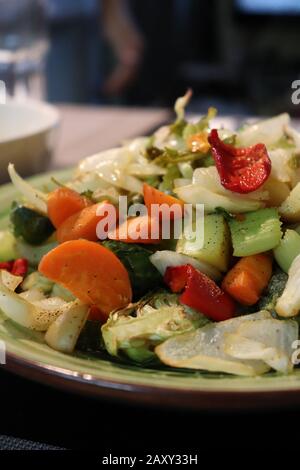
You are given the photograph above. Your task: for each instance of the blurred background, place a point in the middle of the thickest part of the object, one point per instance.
(238, 55)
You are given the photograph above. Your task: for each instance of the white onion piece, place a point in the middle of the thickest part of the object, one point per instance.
(36, 198)
(165, 259)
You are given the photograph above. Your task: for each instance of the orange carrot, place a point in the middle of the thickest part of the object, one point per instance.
(91, 272)
(83, 224)
(64, 202)
(154, 196)
(248, 278)
(146, 228)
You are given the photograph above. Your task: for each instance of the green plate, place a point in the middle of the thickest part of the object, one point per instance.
(29, 356)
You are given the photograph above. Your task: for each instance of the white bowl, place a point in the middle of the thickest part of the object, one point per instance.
(28, 134)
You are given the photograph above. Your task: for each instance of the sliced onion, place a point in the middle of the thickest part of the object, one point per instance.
(165, 258)
(36, 198)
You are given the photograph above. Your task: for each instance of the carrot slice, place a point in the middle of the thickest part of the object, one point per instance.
(64, 202)
(83, 224)
(91, 272)
(248, 278)
(147, 231)
(154, 196)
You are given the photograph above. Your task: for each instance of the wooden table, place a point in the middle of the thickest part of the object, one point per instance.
(86, 130)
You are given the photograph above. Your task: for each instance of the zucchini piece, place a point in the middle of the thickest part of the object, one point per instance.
(287, 250)
(7, 246)
(32, 226)
(217, 247)
(32, 253)
(256, 232)
(290, 208)
(144, 277)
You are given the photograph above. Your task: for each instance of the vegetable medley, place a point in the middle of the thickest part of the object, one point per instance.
(230, 304)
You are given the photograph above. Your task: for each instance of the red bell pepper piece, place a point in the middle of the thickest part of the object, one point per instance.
(20, 267)
(200, 292)
(242, 170)
(7, 265)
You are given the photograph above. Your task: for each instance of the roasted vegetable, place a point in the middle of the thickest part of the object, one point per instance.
(273, 290)
(144, 277)
(135, 331)
(29, 224)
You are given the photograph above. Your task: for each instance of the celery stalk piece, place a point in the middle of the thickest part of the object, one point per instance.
(256, 232)
(287, 250)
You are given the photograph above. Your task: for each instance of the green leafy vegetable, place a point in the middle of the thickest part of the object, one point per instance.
(201, 125)
(29, 224)
(144, 277)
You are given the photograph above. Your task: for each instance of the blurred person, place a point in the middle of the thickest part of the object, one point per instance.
(77, 59)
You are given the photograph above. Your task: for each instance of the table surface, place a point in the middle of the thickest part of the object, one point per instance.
(86, 130)
(40, 414)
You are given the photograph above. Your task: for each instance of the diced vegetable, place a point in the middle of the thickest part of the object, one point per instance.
(204, 349)
(200, 292)
(268, 340)
(83, 224)
(153, 196)
(64, 202)
(7, 246)
(144, 277)
(64, 332)
(142, 229)
(248, 278)
(288, 249)
(91, 272)
(32, 226)
(165, 259)
(255, 232)
(290, 208)
(33, 196)
(241, 170)
(33, 253)
(19, 267)
(288, 304)
(136, 331)
(217, 246)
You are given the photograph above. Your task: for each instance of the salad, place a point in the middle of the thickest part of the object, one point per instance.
(226, 302)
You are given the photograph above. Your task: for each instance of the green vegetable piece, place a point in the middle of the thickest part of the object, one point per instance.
(62, 292)
(287, 250)
(32, 253)
(144, 277)
(255, 232)
(36, 280)
(168, 179)
(273, 291)
(217, 246)
(32, 226)
(135, 331)
(7, 246)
